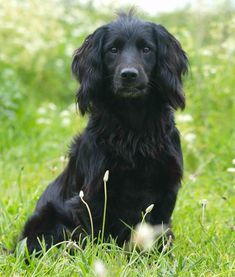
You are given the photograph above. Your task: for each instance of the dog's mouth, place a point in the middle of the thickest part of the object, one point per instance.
(131, 92)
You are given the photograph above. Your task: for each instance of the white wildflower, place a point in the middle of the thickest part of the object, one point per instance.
(192, 177)
(66, 121)
(65, 113)
(41, 110)
(207, 52)
(213, 70)
(106, 176)
(75, 33)
(149, 208)
(43, 121)
(231, 169)
(184, 118)
(144, 236)
(72, 108)
(63, 159)
(52, 106)
(209, 70)
(100, 268)
(69, 50)
(203, 202)
(190, 137)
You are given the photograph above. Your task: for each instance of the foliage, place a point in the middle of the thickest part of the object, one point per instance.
(38, 118)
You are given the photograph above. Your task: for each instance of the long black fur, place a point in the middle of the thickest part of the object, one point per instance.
(131, 132)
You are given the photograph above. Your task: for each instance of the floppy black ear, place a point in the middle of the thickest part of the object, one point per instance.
(172, 63)
(88, 69)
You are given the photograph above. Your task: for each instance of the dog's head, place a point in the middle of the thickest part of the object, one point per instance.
(129, 58)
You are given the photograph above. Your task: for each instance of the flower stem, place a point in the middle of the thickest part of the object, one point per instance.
(106, 176)
(90, 216)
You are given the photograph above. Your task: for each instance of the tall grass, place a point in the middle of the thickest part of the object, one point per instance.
(38, 119)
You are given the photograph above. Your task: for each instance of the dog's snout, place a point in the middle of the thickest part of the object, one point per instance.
(129, 74)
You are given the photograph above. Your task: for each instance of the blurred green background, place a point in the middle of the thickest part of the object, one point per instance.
(38, 119)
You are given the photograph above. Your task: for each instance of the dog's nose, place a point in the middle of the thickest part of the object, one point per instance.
(129, 74)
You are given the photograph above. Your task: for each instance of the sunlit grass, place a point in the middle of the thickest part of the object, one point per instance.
(38, 119)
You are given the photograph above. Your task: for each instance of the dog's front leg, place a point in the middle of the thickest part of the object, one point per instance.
(87, 210)
(160, 217)
(48, 225)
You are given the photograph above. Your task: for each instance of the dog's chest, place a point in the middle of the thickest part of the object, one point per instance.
(132, 191)
(132, 148)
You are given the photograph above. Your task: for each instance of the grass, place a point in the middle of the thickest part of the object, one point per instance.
(35, 134)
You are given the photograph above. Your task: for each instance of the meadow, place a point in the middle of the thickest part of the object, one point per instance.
(38, 119)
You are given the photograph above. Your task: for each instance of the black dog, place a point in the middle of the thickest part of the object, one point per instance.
(130, 73)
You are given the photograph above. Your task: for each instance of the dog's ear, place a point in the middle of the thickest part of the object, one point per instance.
(172, 64)
(87, 67)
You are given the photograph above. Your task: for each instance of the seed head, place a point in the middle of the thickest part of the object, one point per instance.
(106, 176)
(81, 194)
(203, 202)
(149, 208)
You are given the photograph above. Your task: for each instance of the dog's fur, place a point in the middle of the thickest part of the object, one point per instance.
(130, 73)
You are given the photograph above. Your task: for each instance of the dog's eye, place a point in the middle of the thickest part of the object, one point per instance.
(146, 50)
(114, 50)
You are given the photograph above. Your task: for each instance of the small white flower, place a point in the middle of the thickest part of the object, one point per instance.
(41, 110)
(100, 268)
(75, 33)
(149, 208)
(213, 71)
(231, 169)
(106, 176)
(81, 194)
(190, 137)
(72, 108)
(144, 236)
(65, 113)
(203, 202)
(52, 106)
(44, 121)
(69, 50)
(184, 118)
(207, 52)
(192, 177)
(233, 161)
(66, 121)
(63, 159)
